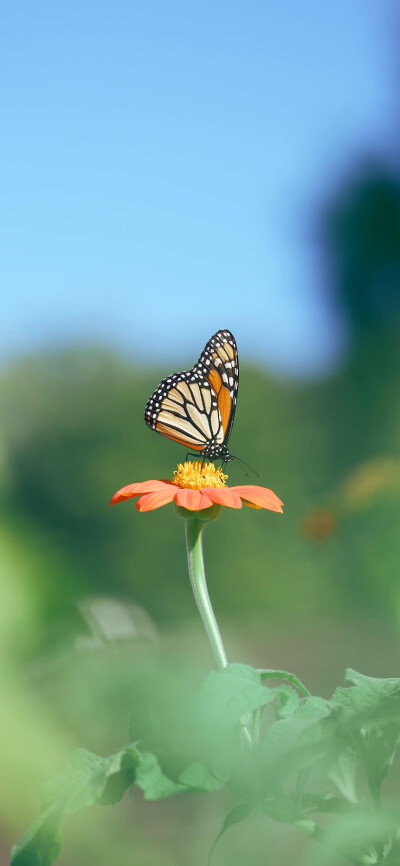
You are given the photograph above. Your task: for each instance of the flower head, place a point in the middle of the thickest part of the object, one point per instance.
(196, 487)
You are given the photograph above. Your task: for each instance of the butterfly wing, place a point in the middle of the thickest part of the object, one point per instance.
(185, 409)
(196, 407)
(219, 363)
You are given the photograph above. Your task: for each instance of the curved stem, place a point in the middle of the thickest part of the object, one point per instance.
(194, 547)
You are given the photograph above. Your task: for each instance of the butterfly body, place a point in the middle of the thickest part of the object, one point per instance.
(196, 407)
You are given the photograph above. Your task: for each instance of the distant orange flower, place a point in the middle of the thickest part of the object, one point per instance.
(319, 523)
(197, 486)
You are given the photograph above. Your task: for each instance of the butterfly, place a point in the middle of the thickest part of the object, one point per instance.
(196, 408)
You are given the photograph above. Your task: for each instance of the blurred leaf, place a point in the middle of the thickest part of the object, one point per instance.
(370, 710)
(379, 750)
(380, 686)
(89, 779)
(287, 701)
(151, 779)
(269, 673)
(41, 844)
(357, 836)
(235, 816)
(198, 777)
(370, 699)
(230, 695)
(296, 742)
(324, 802)
(343, 772)
(393, 858)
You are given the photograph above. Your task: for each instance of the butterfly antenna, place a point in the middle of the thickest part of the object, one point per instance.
(247, 466)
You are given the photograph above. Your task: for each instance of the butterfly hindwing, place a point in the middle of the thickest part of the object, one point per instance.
(183, 408)
(196, 407)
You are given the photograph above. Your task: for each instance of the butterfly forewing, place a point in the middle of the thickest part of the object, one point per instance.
(219, 362)
(196, 407)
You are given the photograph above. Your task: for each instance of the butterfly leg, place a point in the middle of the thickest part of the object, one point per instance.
(192, 454)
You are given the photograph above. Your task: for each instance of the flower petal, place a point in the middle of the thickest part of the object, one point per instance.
(135, 489)
(223, 496)
(156, 499)
(193, 500)
(259, 497)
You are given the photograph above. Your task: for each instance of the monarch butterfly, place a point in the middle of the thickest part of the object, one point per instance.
(196, 408)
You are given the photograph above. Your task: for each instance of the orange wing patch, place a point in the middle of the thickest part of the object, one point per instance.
(215, 381)
(224, 406)
(223, 397)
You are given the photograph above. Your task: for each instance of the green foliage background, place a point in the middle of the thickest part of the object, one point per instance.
(73, 433)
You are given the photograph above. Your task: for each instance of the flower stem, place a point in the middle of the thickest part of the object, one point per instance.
(194, 547)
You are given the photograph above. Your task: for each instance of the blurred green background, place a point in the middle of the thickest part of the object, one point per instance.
(96, 602)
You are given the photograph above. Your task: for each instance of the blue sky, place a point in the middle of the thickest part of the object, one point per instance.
(162, 162)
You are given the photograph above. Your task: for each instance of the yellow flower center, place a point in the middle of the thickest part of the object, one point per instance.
(197, 475)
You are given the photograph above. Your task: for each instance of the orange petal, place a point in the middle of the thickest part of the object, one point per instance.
(156, 499)
(223, 496)
(135, 489)
(259, 497)
(193, 500)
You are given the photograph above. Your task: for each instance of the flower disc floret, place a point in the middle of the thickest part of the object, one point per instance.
(195, 476)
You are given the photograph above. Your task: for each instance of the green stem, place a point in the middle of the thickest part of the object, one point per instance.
(194, 547)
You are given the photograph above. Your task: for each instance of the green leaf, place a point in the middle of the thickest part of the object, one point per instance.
(393, 858)
(343, 773)
(379, 747)
(89, 779)
(369, 699)
(92, 779)
(387, 685)
(231, 695)
(287, 701)
(197, 777)
(41, 844)
(151, 779)
(238, 814)
(295, 742)
(370, 715)
(325, 802)
(269, 673)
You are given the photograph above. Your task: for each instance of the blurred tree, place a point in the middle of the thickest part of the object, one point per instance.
(361, 234)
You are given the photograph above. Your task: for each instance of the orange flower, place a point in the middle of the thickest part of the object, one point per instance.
(197, 486)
